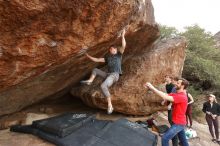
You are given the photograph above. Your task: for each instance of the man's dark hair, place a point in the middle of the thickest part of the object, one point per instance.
(114, 46)
(185, 83)
(169, 76)
(176, 78)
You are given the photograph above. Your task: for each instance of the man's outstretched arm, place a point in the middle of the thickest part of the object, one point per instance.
(122, 49)
(159, 93)
(95, 59)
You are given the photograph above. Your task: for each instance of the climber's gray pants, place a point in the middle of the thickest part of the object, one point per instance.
(110, 79)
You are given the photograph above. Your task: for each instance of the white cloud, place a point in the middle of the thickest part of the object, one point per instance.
(181, 13)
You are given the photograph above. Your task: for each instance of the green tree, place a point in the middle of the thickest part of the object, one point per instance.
(167, 31)
(200, 42)
(202, 64)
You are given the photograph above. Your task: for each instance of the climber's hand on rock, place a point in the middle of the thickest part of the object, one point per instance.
(123, 32)
(87, 55)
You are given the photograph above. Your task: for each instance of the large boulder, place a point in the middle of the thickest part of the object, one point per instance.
(166, 57)
(41, 42)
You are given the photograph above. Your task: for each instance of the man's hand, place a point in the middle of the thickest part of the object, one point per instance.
(214, 116)
(88, 56)
(208, 113)
(169, 106)
(149, 86)
(163, 102)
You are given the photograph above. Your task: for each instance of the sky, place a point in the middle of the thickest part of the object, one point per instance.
(181, 13)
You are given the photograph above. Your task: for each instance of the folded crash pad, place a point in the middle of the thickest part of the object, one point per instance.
(64, 124)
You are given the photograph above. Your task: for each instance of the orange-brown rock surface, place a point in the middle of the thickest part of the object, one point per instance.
(41, 41)
(129, 96)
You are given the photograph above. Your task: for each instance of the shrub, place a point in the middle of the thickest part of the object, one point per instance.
(202, 64)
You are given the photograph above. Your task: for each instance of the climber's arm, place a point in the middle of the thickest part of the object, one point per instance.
(95, 59)
(122, 49)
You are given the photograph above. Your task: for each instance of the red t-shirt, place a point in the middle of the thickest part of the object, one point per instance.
(179, 108)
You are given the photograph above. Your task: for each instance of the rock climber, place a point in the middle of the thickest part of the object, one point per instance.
(113, 61)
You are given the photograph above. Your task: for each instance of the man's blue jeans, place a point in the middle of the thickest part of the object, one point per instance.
(175, 130)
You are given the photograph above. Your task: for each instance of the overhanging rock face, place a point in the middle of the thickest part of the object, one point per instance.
(40, 43)
(129, 96)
